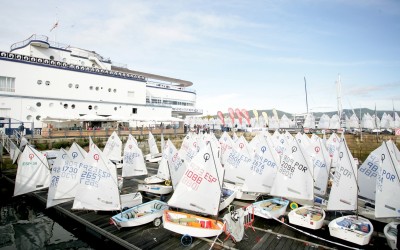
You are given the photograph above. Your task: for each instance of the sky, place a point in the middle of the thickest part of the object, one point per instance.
(239, 54)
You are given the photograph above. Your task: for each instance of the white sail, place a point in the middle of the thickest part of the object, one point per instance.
(153, 145)
(332, 145)
(226, 143)
(392, 147)
(70, 173)
(176, 166)
(263, 167)
(163, 171)
(367, 173)
(98, 186)
(133, 164)
(14, 152)
(33, 172)
(23, 143)
(321, 164)
(343, 195)
(387, 201)
(113, 148)
(199, 189)
(188, 148)
(294, 179)
(237, 165)
(59, 163)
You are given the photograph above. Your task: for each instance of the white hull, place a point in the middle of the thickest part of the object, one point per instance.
(242, 195)
(349, 232)
(271, 208)
(307, 216)
(390, 237)
(153, 158)
(195, 226)
(153, 180)
(155, 188)
(130, 200)
(139, 215)
(228, 196)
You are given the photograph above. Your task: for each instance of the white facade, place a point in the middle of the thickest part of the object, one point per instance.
(40, 79)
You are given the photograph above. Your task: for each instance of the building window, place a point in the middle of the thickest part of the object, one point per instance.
(109, 89)
(39, 82)
(65, 106)
(91, 87)
(95, 107)
(115, 90)
(29, 117)
(38, 117)
(51, 105)
(115, 108)
(47, 83)
(134, 110)
(70, 85)
(73, 106)
(7, 84)
(77, 86)
(97, 88)
(90, 107)
(38, 104)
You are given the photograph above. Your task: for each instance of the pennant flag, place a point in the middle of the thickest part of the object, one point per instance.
(239, 115)
(54, 26)
(232, 115)
(246, 116)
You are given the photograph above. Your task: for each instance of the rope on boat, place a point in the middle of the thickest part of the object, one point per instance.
(314, 236)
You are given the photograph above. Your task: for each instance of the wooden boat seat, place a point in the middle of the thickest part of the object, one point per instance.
(266, 204)
(316, 217)
(302, 211)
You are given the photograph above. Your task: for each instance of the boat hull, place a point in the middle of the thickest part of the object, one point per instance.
(155, 188)
(270, 208)
(228, 196)
(391, 238)
(242, 195)
(193, 225)
(131, 199)
(140, 214)
(307, 216)
(346, 231)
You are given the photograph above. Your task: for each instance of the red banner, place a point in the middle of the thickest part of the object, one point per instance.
(239, 115)
(246, 116)
(221, 117)
(232, 115)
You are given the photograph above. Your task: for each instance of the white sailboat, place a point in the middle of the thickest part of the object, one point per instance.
(295, 181)
(113, 148)
(154, 155)
(59, 163)
(199, 191)
(70, 173)
(387, 201)
(133, 163)
(162, 174)
(98, 186)
(343, 196)
(33, 172)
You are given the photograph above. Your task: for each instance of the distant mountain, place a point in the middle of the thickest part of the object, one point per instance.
(348, 112)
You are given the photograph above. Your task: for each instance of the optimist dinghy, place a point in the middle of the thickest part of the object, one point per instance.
(151, 211)
(390, 231)
(270, 208)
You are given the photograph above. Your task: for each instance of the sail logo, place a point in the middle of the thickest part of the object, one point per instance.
(31, 156)
(206, 157)
(63, 156)
(74, 155)
(96, 157)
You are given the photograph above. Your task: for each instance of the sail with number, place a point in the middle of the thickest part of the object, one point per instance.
(343, 195)
(33, 172)
(263, 167)
(98, 184)
(133, 163)
(70, 173)
(62, 156)
(294, 179)
(199, 189)
(387, 201)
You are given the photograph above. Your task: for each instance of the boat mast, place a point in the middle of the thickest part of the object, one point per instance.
(305, 87)
(339, 100)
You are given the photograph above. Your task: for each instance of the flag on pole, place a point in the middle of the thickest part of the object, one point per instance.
(54, 26)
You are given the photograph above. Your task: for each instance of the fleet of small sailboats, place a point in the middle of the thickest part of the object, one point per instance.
(206, 174)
